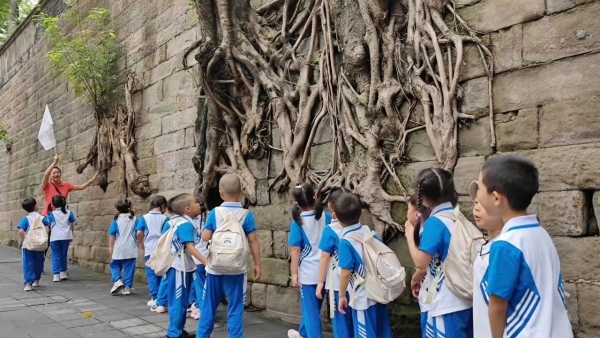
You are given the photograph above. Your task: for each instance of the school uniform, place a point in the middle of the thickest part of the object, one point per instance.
(218, 284)
(151, 225)
(125, 250)
(60, 238)
(200, 275)
(422, 304)
(524, 269)
(481, 320)
(448, 316)
(343, 325)
(371, 319)
(161, 298)
(33, 261)
(307, 237)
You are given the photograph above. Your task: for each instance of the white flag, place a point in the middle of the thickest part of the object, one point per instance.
(46, 134)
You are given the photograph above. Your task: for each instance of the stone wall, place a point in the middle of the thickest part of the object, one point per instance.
(546, 98)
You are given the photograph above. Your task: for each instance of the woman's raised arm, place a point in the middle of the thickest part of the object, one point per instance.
(46, 178)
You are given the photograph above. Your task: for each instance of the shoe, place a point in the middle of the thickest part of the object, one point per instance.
(151, 302)
(36, 283)
(158, 309)
(294, 334)
(43, 273)
(56, 278)
(63, 275)
(117, 286)
(195, 314)
(28, 288)
(126, 291)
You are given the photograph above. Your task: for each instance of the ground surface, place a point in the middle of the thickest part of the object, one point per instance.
(55, 309)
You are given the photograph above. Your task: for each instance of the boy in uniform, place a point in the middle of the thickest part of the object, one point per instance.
(33, 261)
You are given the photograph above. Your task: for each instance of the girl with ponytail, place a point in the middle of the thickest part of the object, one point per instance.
(61, 222)
(123, 247)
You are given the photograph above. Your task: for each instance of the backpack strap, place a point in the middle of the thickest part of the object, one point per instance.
(331, 291)
(362, 239)
(448, 214)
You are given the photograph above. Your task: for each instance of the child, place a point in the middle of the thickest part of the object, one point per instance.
(33, 261)
(342, 323)
(524, 281)
(413, 230)
(305, 234)
(123, 247)
(371, 319)
(180, 275)
(200, 277)
(149, 228)
(447, 314)
(61, 222)
(161, 300)
(219, 283)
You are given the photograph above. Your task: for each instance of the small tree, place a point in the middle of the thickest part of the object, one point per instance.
(86, 58)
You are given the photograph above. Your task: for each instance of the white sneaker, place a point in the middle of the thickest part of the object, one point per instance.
(36, 283)
(195, 313)
(28, 288)
(294, 334)
(117, 286)
(158, 309)
(63, 275)
(56, 278)
(126, 291)
(151, 303)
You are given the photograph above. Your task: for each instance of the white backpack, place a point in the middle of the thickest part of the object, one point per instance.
(228, 248)
(36, 238)
(465, 243)
(163, 257)
(384, 275)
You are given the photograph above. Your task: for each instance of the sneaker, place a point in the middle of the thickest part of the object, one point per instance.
(126, 291)
(63, 275)
(117, 286)
(151, 302)
(294, 334)
(36, 283)
(43, 273)
(195, 313)
(158, 309)
(28, 288)
(56, 278)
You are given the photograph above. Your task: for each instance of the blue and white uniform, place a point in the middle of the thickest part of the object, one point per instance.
(60, 238)
(200, 275)
(524, 269)
(125, 250)
(371, 319)
(219, 284)
(151, 225)
(33, 261)
(447, 314)
(307, 237)
(161, 298)
(343, 326)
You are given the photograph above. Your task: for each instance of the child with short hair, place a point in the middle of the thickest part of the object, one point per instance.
(448, 315)
(61, 222)
(306, 229)
(343, 327)
(123, 248)
(33, 261)
(219, 283)
(149, 229)
(197, 291)
(180, 275)
(523, 281)
(371, 319)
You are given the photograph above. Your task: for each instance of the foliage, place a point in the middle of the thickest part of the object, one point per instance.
(25, 7)
(86, 57)
(4, 137)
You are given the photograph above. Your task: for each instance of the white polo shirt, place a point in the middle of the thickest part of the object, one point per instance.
(307, 237)
(481, 320)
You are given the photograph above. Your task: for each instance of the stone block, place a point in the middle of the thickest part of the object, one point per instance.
(180, 159)
(148, 131)
(466, 171)
(190, 137)
(179, 120)
(476, 139)
(563, 213)
(572, 304)
(146, 166)
(259, 295)
(258, 168)
(262, 192)
(407, 175)
(419, 147)
(589, 305)
(492, 15)
(185, 179)
(181, 43)
(280, 244)
(163, 70)
(321, 156)
(177, 82)
(570, 122)
(272, 271)
(576, 253)
(517, 130)
(558, 81)
(95, 238)
(82, 252)
(276, 137)
(276, 164)
(101, 255)
(144, 148)
(554, 6)
(324, 134)
(555, 37)
(472, 65)
(169, 142)
(272, 217)
(152, 94)
(265, 241)
(507, 47)
(283, 303)
(162, 182)
(93, 208)
(5, 226)
(162, 109)
(476, 100)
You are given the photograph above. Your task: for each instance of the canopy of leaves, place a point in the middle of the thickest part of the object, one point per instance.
(85, 57)
(25, 7)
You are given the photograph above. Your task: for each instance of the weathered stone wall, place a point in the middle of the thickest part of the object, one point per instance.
(546, 98)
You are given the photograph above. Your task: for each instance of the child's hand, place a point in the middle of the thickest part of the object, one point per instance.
(110, 250)
(415, 286)
(256, 273)
(408, 226)
(342, 304)
(319, 292)
(295, 281)
(141, 246)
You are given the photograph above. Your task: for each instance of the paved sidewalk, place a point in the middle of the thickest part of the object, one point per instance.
(56, 309)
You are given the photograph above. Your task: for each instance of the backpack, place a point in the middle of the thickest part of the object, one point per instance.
(228, 249)
(464, 247)
(36, 238)
(163, 257)
(384, 275)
